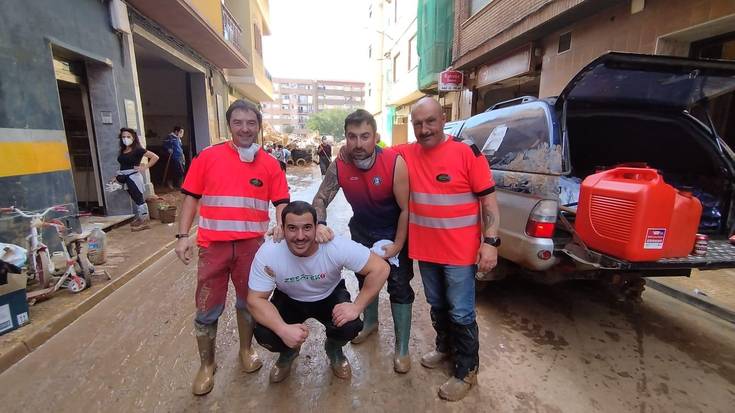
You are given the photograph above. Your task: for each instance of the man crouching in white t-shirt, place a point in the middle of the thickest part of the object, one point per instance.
(307, 278)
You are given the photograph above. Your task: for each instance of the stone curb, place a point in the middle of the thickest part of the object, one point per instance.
(22, 349)
(703, 303)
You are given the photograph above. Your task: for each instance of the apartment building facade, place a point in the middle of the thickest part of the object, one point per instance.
(393, 83)
(295, 100)
(73, 73)
(511, 48)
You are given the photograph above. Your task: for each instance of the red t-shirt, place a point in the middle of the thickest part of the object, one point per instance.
(234, 195)
(444, 209)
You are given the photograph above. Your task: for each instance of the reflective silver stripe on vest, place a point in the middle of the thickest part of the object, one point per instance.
(234, 202)
(228, 225)
(443, 199)
(443, 223)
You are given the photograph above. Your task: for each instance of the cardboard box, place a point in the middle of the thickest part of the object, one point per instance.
(13, 304)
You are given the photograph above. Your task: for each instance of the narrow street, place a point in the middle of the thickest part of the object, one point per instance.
(547, 349)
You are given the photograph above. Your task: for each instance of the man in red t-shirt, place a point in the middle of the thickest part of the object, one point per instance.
(453, 232)
(231, 185)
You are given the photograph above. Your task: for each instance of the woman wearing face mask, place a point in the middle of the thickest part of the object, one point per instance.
(130, 174)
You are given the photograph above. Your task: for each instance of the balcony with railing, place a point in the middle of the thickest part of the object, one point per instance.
(198, 24)
(231, 30)
(243, 27)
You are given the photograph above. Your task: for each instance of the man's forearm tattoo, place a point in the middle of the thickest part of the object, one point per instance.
(327, 191)
(488, 220)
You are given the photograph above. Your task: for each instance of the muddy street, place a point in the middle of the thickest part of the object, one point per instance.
(566, 348)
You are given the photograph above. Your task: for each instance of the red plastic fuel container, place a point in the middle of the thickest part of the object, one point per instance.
(626, 213)
(684, 223)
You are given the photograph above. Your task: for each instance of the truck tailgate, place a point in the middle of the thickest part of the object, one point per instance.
(720, 254)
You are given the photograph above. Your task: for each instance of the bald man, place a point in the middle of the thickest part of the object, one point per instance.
(453, 232)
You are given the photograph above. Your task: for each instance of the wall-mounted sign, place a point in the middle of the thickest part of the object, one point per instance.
(106, 117)
(450, 81)
(517, 63)
(131, 114)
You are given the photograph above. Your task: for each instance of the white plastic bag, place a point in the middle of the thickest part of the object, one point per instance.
(13, 254)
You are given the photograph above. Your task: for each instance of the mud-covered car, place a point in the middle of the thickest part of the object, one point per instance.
(621, 108)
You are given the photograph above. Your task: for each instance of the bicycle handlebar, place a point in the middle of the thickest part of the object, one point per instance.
(24, 214)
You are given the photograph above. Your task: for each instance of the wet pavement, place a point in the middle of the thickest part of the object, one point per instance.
(565, 348)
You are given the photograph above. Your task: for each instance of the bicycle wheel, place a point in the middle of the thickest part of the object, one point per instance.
(43, 274)
(76, 284)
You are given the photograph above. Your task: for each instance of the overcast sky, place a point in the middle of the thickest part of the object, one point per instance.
(317, 39)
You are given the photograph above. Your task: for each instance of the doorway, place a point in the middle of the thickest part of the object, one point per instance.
(80, 140)
(166, 92)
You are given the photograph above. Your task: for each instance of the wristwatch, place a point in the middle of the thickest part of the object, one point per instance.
(179, 236)
(492, 241)
(322, 223)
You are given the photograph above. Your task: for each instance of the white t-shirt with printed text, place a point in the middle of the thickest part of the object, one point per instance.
(310, 278)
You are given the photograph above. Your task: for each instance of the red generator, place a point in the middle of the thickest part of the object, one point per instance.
(626, 212)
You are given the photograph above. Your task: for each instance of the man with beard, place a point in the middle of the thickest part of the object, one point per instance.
(307, 279)
(375, 183)
(230, 184)
(453, 232)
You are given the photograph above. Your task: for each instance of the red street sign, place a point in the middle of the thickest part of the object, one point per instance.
(450, 80)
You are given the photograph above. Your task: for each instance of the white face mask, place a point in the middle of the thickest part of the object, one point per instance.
(366, 163)
(248, 154)
(127, 141)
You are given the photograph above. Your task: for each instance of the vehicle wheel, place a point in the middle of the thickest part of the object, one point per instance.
(628, 289)
(301, 162)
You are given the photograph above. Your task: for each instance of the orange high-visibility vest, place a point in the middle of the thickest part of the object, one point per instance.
(446, 182)
(234, 195)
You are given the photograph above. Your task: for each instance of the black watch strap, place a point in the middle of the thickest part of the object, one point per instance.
(492, 241)
(322, 223)
(179, 236)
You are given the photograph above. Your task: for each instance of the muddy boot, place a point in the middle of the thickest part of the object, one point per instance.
(455, 389)
(340, 365)
(436, 358)
(204, 380)
(142, 220)
(249, 358)
(402, 328)
(466, 347)
(140, 225)
(369, 322)
(282, 368)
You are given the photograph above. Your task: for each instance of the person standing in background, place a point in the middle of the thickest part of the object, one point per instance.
(176, 162)
(325, 155)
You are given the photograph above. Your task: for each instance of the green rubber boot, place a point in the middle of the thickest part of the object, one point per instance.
(369, 322)
(282, 366)
(340, 365)
(402, 328)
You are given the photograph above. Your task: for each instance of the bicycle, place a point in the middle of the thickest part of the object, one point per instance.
(40, 265)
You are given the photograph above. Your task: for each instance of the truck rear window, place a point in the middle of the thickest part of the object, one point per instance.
(518, 138)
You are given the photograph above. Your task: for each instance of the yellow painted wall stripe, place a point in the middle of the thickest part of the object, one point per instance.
(25, 158)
